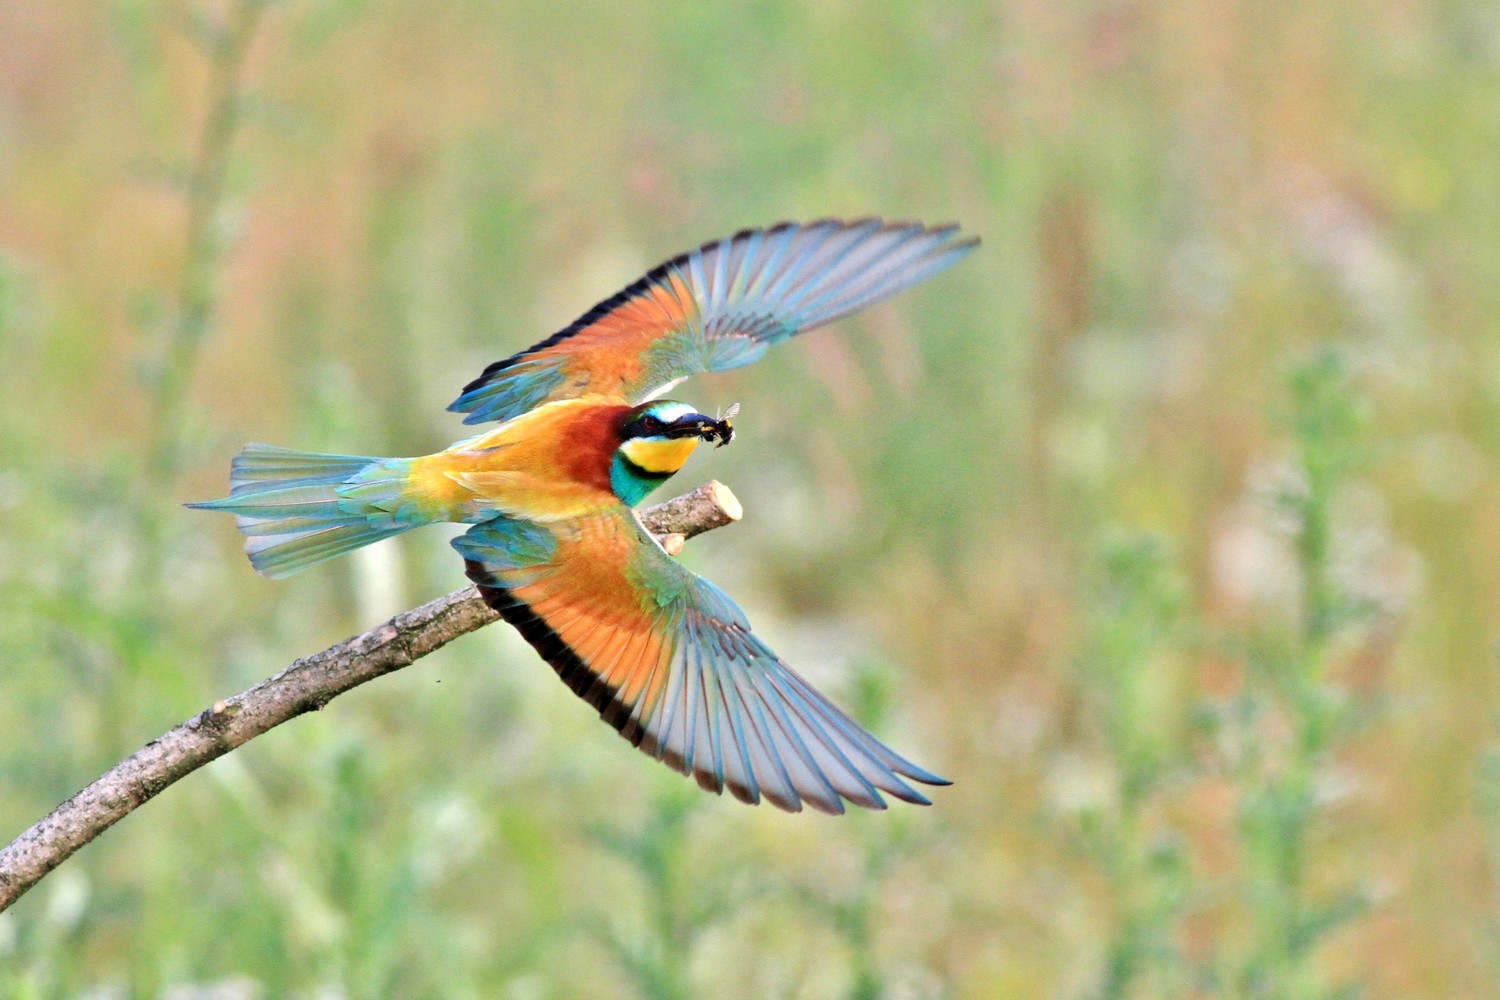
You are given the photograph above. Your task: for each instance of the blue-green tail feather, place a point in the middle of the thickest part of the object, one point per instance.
(299, 508)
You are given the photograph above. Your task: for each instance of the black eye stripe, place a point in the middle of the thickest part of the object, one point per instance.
(645, 425)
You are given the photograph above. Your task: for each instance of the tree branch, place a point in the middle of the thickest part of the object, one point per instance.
(308, 684)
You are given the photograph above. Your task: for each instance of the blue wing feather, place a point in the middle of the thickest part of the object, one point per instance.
(756, 288)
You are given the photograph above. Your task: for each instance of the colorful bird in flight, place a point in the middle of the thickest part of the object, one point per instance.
(665, 656)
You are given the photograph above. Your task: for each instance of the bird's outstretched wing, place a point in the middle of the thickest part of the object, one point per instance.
(716, 308)
(670, 662)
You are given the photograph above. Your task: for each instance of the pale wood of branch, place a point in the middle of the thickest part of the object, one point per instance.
(308, 684)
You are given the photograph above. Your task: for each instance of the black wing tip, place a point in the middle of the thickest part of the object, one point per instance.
(838, 805)
(912, 772)
(941, 229)
(947, 235)
(834, 808)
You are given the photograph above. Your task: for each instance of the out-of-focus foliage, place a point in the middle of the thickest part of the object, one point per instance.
(1164, 525)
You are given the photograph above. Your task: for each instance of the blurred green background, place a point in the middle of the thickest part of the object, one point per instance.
(1164, 525)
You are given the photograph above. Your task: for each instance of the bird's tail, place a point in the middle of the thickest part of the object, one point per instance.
(299, 508)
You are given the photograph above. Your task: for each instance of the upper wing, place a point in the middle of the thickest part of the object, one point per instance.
(671, 663)
(715, 308)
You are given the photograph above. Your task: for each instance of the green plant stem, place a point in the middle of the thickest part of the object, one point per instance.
(198, 289)
(1281, 811)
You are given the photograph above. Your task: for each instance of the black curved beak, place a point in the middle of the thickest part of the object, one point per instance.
(708, 428)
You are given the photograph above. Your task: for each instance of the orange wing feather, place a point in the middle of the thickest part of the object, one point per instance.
(670, 662)
(612, 347)
(715, 308)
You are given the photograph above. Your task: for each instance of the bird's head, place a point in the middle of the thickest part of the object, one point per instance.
(656, 439)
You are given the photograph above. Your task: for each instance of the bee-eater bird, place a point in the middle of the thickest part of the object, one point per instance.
(665, 656)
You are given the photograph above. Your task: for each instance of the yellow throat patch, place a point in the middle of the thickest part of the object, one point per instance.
(661, 457)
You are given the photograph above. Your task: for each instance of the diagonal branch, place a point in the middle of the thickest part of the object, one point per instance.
(308, 684)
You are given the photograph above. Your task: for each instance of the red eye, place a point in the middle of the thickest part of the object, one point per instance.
(650, 423)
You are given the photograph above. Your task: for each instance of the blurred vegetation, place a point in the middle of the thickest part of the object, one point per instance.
(1163, 525)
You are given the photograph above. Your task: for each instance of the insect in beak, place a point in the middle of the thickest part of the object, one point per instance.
(721, 427)
(710, 429)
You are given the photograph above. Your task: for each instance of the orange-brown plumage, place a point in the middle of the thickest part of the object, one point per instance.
(552, 462)
(611, 348)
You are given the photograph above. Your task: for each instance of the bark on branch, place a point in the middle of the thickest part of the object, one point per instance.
(308, 684)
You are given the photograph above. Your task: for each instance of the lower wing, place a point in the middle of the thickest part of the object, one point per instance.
(670, 661)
